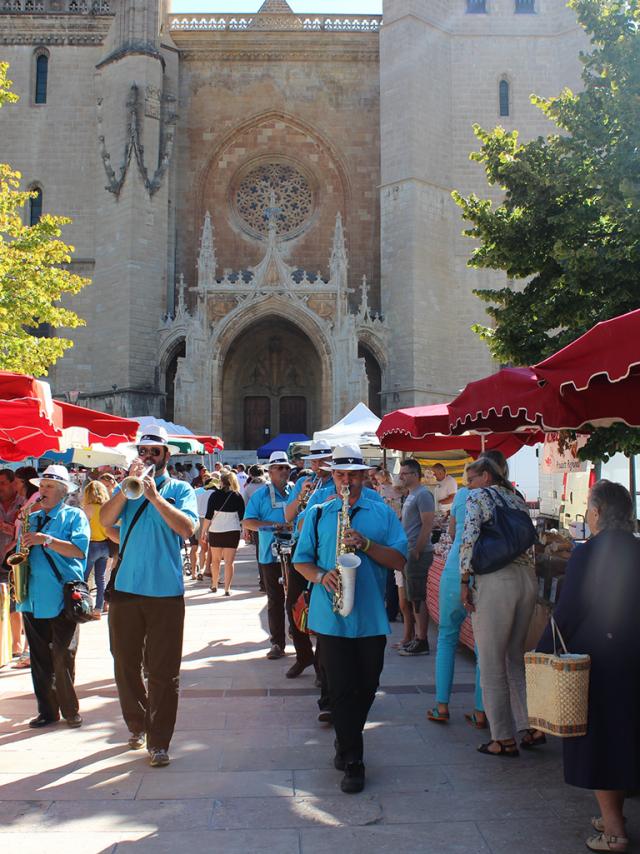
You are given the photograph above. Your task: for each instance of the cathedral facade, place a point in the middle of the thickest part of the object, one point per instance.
(263, 202)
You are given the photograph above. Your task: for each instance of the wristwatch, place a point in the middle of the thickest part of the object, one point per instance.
(48, 539)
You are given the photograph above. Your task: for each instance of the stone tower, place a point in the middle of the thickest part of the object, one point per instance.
(136, 114)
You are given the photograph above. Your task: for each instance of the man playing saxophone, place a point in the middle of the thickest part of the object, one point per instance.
(57, 539)
(351, 648)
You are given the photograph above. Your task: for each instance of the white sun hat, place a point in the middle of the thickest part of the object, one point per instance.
(318, 450)
(347, 458)
(279, 458)
(156, 434)
(57, 473)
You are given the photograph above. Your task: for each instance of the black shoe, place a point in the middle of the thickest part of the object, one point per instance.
(74, 721)
(318, 682)
(275, 652)
(296, 669)
(41, 721)
(353, 780)
(325, 717)
(339, 762)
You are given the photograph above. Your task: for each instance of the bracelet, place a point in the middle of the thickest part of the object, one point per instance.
(367, 545)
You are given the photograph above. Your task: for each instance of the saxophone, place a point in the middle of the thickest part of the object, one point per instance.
(18, 564)
(347, 563)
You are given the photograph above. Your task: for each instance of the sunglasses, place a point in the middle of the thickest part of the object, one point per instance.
(144, 450)
(280, 468)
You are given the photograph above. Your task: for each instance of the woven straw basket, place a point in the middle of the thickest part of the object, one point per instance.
(558, 690)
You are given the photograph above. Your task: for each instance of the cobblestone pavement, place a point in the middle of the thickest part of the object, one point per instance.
(252, 768)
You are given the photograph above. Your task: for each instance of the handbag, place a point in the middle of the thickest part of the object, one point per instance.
(78, 604)
(300, 612)
(558, 689)
(503, 538)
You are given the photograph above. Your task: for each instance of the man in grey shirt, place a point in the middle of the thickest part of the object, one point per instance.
(417, 521)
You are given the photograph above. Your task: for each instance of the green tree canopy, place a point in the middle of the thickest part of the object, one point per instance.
(32, 275)
(568, 227)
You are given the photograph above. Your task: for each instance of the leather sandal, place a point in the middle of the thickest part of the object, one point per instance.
(437, 716)
(508, 751)
(597, 823)
(530, 742)
(603, 842)
(472, 719)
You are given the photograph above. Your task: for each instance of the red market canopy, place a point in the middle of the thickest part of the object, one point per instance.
(210, 443)
(32, 423)
(427, 428)
(607, 353)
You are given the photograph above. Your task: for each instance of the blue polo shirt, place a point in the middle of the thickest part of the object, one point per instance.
(152, 563)
(264, 508)
(45, 591)
(373, 519)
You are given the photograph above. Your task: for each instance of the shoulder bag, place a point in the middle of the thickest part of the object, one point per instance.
(112, 578)
(506, 536)
(78, 604)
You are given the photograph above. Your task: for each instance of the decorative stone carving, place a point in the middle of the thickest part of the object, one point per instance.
(134, 147)
(276, 191)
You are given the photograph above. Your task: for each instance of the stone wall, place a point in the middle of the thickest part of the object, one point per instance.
(449, 65)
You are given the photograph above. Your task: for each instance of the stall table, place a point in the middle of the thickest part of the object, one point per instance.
(433, 601)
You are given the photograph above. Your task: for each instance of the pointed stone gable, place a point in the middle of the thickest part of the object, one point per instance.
(275, 15)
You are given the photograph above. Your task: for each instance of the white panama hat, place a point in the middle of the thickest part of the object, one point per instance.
(156, 434)
(58, 474)
(319, 450)
(348, 458)
(279, 458)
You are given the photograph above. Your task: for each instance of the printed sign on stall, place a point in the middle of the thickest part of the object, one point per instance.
(555, 461)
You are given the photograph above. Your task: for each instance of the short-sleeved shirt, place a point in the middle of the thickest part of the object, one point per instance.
(267, 505)
(445, 488)
(419, 501)
(45, 598)
(372, 519)
(202, 498)
(152, 564)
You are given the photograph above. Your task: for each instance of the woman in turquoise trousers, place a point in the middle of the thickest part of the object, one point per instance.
(452, 616)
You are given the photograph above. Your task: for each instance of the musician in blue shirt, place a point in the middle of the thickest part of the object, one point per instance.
(351, 648)
(60, 534)
(266, 512)
(146, 602)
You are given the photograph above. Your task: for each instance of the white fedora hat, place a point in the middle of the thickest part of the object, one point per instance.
(318, 450)
(279, 458)
(57, 473)
(348, 458)
(156, 434)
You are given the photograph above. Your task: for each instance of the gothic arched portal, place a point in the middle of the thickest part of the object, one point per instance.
(272, 383)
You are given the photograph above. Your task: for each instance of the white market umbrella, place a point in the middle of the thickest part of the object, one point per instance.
(358, 427)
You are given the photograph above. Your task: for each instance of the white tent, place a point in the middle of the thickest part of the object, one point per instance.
(358, 427)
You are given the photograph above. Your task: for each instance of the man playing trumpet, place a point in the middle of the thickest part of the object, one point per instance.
(146, 604)
(351, 648)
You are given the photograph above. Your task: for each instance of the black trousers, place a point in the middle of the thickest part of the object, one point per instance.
(151, 627)
(53, 643)
(276, 607)
(352, 667)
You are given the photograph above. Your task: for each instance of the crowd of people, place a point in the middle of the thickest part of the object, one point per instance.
(303, 516)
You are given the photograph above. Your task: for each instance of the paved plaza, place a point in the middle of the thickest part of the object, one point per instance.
(252, 769)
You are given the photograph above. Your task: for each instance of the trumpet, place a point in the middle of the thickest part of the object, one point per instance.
(19, 567)
(132, 487)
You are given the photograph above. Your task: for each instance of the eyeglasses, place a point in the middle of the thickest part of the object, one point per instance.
(145, 450)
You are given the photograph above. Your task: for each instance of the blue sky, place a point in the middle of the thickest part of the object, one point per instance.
(320, 7)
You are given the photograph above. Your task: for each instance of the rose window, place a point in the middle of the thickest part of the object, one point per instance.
(274, 191)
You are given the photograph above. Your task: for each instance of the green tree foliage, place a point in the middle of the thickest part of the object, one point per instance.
(32, 275)
(568, 226)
